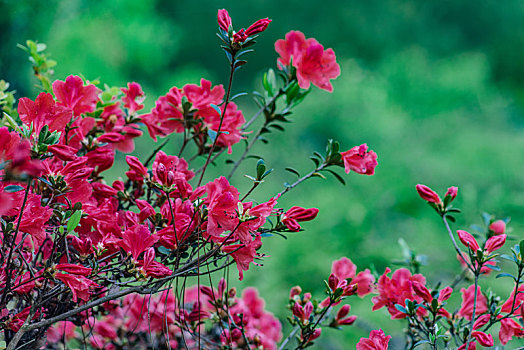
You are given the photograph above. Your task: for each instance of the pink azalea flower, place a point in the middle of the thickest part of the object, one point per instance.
(134, 96)
(222, 203)
(80, 286)
(166, 117)
(396, 290)
(171, 170)
(73, 94)
(152, 268)
(508, 329)
(231, 129)
(43, 111)
(136, 240)
(244, 254)
(202, 96)
(313, 63)
(360, 160)
(377, 341)
(468, 297)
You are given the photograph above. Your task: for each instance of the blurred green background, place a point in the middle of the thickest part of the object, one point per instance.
(434, 87)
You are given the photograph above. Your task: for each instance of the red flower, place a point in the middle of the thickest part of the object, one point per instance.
(232, 121)
(297, 214)
(468, 240)
(377, 341)
(428, 194)
(80, 286)
(34, 219)
(506, 307)
(224, 21)
(166, 117)
(244, 254)
(133, 98)
(202, 96)
(468, 297)
(508, 329)
(396, 290)
(313, 63)
(360, 160)
(73, 94)
(16, 152)
(43, 111)
(74, 269)
(222, 203)
(151, 268)
(137, 239)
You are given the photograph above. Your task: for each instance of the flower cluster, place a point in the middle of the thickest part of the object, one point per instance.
(101, 256)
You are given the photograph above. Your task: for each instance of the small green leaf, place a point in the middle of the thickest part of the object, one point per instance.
(13, 188)
(261, 168)
(401, 308)
(292, 170)
(504, 274)
(74, 220)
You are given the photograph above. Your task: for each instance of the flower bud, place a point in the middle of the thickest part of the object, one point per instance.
(498, 227)
(481, 321)
(298, 311)
(468, 240)
(495, 242)
(170, 178)
(222, 286)
(316, 333)
(224, 21)
(452, 192)
(258, 27)
(333, 282)
(232, 293)
(445, 294)
(484, 339)
(428, 194)
(343, 312)
(62, 152)
(240, 36)
(161, 173)
(296, 290)
(110, 137)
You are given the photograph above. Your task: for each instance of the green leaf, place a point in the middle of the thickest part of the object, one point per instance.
(504, 274)
(292, 170)
(212, 134)
(337, 176)
(401, 308)
(261, 168)
(425, 341)
(216, 108)
(13, 188)
(74, 220)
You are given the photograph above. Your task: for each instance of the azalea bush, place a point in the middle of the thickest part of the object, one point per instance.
(144, 261)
